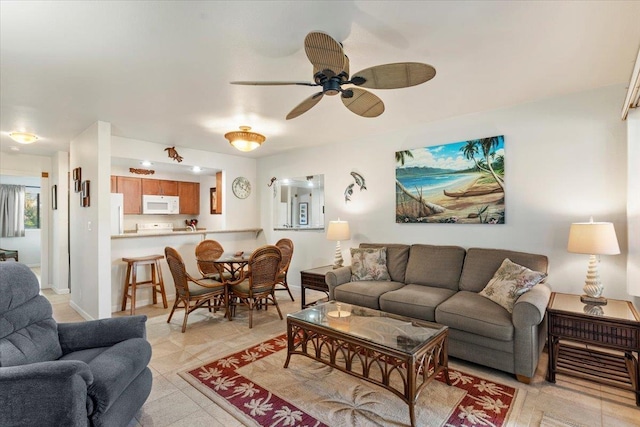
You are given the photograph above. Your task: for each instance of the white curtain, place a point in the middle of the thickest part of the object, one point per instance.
(11, 210)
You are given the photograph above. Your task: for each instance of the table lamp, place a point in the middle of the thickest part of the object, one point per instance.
(593, 238)
(338, 230)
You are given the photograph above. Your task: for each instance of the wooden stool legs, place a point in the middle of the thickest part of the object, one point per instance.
(131, 283)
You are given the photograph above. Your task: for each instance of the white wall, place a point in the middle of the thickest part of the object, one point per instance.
(633, 202)
(59, 231)
(90, 247)
(565, 161)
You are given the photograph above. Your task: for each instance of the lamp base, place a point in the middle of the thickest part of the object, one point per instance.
(586, 299)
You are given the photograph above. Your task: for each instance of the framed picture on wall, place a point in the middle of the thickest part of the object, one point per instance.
(304, 214)
(85, 199)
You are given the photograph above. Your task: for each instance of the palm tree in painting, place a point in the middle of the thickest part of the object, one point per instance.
(401, 155)
(488, 147)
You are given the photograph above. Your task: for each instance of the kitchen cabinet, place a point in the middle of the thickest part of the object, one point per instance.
(159, 187)
(114, 184)
(132, 190)
(217, 209)
(189, 193)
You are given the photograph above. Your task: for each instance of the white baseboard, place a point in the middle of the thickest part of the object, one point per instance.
(142, 303)
(60, 291)
(80, 311)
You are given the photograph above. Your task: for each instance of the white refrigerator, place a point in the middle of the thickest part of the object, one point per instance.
(117, 213)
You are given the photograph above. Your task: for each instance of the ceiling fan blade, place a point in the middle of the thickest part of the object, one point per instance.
(324, 52)
(274, 83)
(394, 76)
(362, 102)
(305, 105)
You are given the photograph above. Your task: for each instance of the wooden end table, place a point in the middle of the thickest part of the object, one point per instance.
(581, 337)
(314, 279)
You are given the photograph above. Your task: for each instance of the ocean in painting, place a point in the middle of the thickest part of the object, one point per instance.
(430, 185)
(457, 183)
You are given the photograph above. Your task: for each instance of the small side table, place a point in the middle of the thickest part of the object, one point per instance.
(580, 334)
(8, 253)
(314, 279)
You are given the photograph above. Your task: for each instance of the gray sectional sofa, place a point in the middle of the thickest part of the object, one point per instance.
(441, 284)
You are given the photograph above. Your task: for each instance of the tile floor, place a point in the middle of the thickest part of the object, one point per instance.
(173, 402)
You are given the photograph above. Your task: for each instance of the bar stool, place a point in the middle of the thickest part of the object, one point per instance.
(130, 280)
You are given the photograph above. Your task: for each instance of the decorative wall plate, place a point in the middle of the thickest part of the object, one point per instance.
(241, 187)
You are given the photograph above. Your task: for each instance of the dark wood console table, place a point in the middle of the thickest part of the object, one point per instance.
(314, 279)
(581, 337)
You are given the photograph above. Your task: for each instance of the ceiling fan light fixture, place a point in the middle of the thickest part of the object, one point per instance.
(23, 137)
(244, 140)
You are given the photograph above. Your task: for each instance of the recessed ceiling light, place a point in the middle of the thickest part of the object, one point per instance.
(146, 163)
(23, 137)
(14, 148)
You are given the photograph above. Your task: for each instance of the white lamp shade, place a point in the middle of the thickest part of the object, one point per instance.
(338, 230)
(593, 238)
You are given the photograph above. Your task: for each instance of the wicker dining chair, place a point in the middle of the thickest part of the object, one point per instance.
(256, 285)
(208, 251)
(286, 248)
(193, 293)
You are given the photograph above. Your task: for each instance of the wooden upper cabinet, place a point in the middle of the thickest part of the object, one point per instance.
(159, 187)
(132, 190)
(114, 184)
(218, 207)
(189, 193)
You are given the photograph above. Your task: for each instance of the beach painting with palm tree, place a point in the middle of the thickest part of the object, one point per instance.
(457, 183)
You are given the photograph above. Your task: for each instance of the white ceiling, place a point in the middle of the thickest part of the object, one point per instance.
(160, 71)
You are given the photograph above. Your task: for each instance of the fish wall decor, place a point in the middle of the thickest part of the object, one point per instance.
(359, 181)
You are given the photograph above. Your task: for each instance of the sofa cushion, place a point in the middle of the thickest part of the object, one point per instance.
(437, 266)
(509, 282)
(113, 369)
(397, 257)
(480, 264)
(28, 333)
(415, 301)
(369, 264)
(471, 312)
(364, 293)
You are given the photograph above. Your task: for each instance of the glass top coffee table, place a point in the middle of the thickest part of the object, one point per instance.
(398, 353)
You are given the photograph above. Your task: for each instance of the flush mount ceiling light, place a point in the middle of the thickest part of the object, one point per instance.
(23, 137)
(244, 140)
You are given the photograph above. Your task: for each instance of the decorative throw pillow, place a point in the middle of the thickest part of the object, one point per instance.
(509, 282)
(369, 264)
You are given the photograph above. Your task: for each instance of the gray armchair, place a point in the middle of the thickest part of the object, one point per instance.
(69, 374)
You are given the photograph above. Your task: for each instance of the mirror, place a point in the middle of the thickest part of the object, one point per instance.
(299, 203)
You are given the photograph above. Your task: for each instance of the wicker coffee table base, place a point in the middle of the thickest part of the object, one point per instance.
(369, 361)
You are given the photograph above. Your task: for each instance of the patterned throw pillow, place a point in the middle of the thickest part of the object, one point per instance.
(369, 264)
(509, 282)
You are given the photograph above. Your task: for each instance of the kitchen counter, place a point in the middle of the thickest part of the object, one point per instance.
(181, 232)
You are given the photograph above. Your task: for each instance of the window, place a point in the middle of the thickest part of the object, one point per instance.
(32, 208)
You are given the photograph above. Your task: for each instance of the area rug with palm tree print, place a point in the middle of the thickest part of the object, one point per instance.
(253, 386)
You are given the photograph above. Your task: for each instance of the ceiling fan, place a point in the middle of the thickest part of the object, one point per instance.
(331, 71)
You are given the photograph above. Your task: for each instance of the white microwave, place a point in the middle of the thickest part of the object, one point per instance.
(161, 205)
